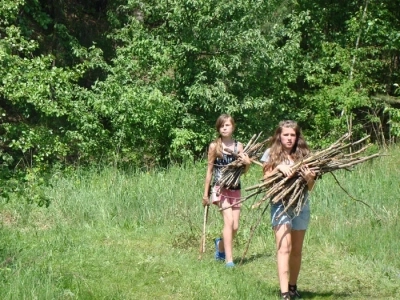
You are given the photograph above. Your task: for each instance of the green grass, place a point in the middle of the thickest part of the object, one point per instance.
(115, 235)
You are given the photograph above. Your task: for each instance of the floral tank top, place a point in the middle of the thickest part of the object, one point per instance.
(219, 163)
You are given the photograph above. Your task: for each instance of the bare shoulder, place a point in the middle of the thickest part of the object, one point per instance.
(212, 145)
(240, 146)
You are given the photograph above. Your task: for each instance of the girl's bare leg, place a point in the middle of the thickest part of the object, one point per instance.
(295, 255)
(283, 248)
(231, 225)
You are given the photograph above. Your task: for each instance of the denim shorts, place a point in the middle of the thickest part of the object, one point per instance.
(299, 222)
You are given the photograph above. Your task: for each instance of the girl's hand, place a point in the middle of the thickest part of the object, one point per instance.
(285, 170)
(244, 158)
(307, 174)
(205, 201)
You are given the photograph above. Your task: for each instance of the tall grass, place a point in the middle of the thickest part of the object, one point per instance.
(128, 235)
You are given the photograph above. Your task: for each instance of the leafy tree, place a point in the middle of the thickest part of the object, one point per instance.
(142, 82)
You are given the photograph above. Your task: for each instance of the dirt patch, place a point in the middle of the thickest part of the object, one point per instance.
(8, 219)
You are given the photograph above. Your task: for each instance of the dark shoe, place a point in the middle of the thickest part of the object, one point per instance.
(294, 293)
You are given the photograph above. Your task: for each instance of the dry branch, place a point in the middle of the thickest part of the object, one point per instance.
(291, 191)
(203, 235)
(276, 187)
(230, 174)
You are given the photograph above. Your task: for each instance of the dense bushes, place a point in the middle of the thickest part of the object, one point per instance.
(142, 82)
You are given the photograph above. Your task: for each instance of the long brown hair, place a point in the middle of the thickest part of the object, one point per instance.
(218, 141)
(276, 153)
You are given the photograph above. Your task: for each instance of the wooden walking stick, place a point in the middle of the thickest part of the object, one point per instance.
(203, 235)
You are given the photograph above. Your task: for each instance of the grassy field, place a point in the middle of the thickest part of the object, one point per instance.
(126, 235)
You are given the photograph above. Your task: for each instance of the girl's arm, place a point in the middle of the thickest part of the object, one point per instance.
(267, 172)
(210, 167)
(284, 169)
(309, 176)
(243, 157)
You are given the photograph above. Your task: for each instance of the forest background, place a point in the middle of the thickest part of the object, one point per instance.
(141, 83)
(106, 111)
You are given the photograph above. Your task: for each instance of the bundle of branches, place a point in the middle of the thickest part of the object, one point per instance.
(277, 187)
(230, 174)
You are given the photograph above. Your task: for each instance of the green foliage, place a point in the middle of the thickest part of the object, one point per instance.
(394, 115)
(197, 52)
(142, 82)
(394, 120)
(26, 186)
(9, 11)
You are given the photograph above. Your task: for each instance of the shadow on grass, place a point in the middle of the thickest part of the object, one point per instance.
(329, 295)
(313, 295)
(252, 258)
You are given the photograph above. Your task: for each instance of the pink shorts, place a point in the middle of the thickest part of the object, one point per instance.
(219, 195)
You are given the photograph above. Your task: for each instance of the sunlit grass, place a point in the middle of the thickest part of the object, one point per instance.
(129, 235)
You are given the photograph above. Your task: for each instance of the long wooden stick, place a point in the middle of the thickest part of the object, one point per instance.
(203, 235)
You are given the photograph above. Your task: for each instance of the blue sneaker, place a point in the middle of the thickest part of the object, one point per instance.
(218, 255)
(230, 264)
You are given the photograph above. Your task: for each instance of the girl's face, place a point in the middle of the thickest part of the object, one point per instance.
(288, 138)
(226, 128)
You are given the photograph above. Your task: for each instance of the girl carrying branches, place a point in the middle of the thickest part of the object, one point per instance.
(287, 147)
(222, 151)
